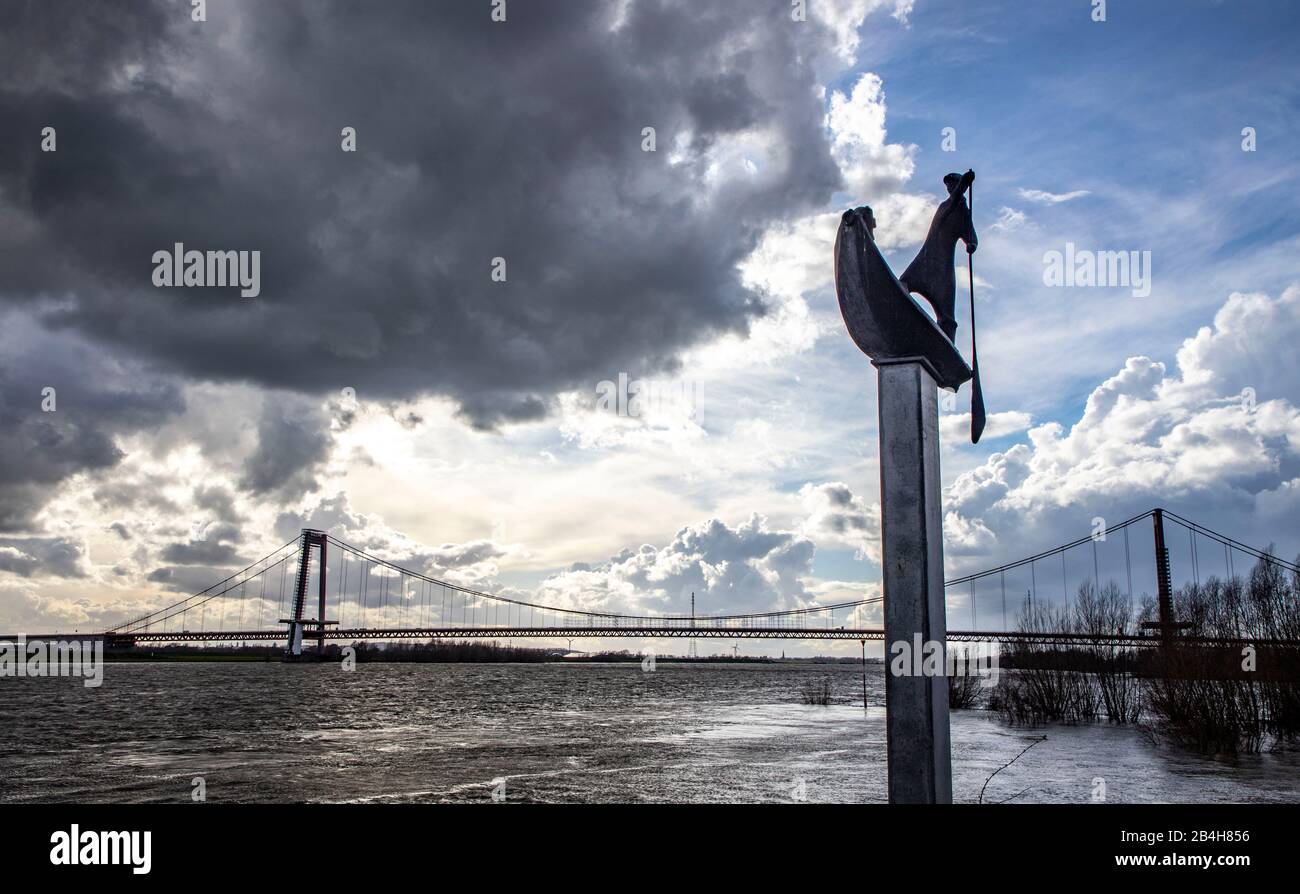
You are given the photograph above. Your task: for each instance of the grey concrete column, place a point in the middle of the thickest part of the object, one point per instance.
(920, 759)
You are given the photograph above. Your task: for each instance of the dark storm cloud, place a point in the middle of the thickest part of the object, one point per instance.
(192, 579)
(52, 556)
(476, 140)
(200, 552)
(458, 555)
(293, 441)
(146, 492)
(220, 502)
(94, 398)
(92, 41)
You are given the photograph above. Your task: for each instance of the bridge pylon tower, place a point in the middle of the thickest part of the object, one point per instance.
(1166, 625)
(297, 623)
(691, 650)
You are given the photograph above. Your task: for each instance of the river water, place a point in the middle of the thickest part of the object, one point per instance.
(270, 732)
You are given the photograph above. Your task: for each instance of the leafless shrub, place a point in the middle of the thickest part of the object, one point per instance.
(964, 691)
(1216, 701)
(1101, 614)
(1046, 685)
(815, 692)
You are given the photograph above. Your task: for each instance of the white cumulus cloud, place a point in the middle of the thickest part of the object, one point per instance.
(1051, 198)
(1217, 439)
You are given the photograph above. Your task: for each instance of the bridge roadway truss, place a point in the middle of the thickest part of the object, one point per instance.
(627, 632)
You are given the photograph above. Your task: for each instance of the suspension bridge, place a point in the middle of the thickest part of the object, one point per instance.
(289, 596)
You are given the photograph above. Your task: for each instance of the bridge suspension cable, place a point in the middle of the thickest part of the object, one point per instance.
(1116, 571)
(217, 590)
(413, 601)
(586, 613)
(1234, 545)
(1045, 554)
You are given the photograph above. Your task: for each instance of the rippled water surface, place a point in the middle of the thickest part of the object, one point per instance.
(554, 732)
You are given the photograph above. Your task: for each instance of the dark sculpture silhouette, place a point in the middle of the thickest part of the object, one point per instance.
(879, 311)
(933, 274)
(885, 321)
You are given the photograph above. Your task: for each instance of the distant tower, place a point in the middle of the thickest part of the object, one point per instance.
(692, 651)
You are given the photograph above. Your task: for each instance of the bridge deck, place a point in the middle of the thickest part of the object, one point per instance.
(623, 632)
(626, 632)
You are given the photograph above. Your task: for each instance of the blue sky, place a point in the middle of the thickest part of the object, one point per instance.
(1144, 110)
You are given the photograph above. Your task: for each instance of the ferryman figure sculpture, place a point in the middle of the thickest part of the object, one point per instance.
(877, 306)
(915, 357)
(932, 275)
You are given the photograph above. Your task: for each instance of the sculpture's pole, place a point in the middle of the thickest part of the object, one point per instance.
(920, 760)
